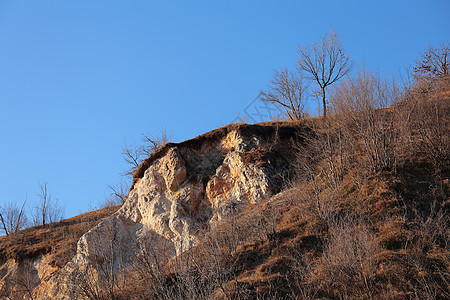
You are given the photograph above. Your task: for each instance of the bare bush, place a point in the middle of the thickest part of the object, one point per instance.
(7, 289)
(304, 282)
(425, 111)
(152, 268)
(154, 142)
(350, 258)
(430, 233)
(216, 261)
(206, 271)
(134, 155)
(161, 274)
(105, 275)
(117, 196)
(24, 279)
(365, 108)
(323, 158)
(430, 229)
(433, 62)
(13, 217)
(48, 209)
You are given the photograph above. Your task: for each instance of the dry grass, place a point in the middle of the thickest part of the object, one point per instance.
(367, 218)
(58, 239)
(355, 224)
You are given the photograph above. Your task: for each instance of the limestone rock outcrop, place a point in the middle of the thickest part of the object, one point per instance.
(182, 189)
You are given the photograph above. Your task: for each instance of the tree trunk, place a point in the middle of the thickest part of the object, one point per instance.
(324, 103)
(4, 225)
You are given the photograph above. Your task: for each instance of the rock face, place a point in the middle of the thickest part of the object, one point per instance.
(180, 190)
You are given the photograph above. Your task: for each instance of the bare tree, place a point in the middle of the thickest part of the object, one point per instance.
(288, 91)
(20, 282)
(27, 279)
(13, 217)
(434, 62)
(119, 192)
(134, 155)
(325, 63)
(45, 203)
(48, 209)
(117, 196)
(154, 142)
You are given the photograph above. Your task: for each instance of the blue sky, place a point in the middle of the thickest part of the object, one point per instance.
(79, 78)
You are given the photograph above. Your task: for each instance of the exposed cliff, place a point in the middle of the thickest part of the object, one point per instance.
(213, 218)
(178, 191)
(367, 216)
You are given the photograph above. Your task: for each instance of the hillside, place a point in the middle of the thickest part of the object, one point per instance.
(48, 248)
(352, 206)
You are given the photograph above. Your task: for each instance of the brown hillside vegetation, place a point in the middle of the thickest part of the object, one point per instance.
(366, 215)
(366, 218)
(57, 240)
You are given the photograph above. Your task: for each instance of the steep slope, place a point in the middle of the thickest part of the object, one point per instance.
(277, 210)
(178, 191)
(31, 256)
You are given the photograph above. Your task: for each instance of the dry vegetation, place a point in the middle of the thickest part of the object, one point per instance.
(20, 250)
(57, 239)
(366, 216)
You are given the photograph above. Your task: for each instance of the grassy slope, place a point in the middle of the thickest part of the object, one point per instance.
(58, 239)
(382, 234)
(377, 234)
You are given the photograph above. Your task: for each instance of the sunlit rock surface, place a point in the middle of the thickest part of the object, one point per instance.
(178, 192)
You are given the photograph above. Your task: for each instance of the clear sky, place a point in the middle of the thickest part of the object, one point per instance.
(79, 78)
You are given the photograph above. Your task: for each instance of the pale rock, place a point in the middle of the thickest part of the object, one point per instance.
(183, 190)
